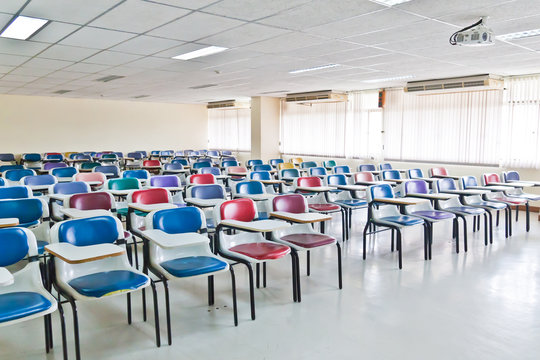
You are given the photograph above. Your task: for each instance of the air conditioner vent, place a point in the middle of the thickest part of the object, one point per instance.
(478, 82)
(316, 97)
(227, 104)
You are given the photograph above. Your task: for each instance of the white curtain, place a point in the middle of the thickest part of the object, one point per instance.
(461, 127)
(364, 126)
(520, 134)
(317, 129)
(229, 129)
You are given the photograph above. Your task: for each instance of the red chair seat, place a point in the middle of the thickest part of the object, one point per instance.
(308, 240)
(324, 207)
(262, 251)
(511, 201)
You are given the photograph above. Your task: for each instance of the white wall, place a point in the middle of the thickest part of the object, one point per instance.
(50, 124)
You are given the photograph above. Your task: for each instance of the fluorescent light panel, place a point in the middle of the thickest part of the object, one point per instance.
(519, 35)
(201, 52)
(327, 66)
(390, 2)
(23, 27)
(404, 77)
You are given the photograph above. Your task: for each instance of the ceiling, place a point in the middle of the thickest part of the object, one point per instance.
(88, 40)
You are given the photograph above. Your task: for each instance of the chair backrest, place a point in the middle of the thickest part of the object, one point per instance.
(391, 174)
(166, 153)
(135, 155)
(7, 157)
(309, 181)
(32, 157)
(165, 181)
(89, 165)
(82, 157)
(292, 203)
(201, 179)
(260, 175)
(308, 164)
(289, 173)
(336, 179)
(250, 187)
(64, 172)
(229, 163)
(229, 158)
(173, 166)
(416, 187)
(511, 176)
(491, 178)
(212, 191)
(254, 162)
(317, 171)
(90, 153)
(2, 182)
(177, 221)
(154, 152)
(210, 170)
(54, 157)
(367, 167)
(275, 162)
(100, 200)
(415, 173)
(341, 169)
(285, 165)
(263, 167)
(69, 188)
(236, 169)
(297, 160)
(151, 196)
(109, 157)
(445, 184)
(28, 211)
(363, 176)
(15, 245)
(18, 174)
(50, 165)
(10, 167)
(329, 164)
(180, 161)
(383, 191)
(151, 163)
(137, 174)
(113, 170)
(201, 164)
(15, 192)
(96, 176)
(437, 171)
(385, 166)
(39, 180)
(238, 209)
(124, 184)
(87, 231)
(212, 153)
(226, 152)
(467, 181)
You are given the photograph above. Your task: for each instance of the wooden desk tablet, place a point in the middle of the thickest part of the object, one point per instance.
(151, 207)
(370, 183)
(165, 240)
(81, 254)
(256, 197)
(237, 173)
(81, 214)
(269, 182)
(315, 188)
(350, 187)
(400, 201)
(203, 202)
(8, 222)
(469, 191)
(491, 188)
(517, 184)
(60, 197)
(302, 218)
(438, 196)
(396, 180)
(262, 226)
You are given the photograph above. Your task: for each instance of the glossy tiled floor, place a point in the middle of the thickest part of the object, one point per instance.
(484, 304)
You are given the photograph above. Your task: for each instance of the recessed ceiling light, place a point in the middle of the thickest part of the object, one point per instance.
(201, 52)
(519, 35)
(23, 27)
(404, 77)
(327, 66)
(390, 2)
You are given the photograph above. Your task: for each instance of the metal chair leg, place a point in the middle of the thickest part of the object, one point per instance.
(235, 305)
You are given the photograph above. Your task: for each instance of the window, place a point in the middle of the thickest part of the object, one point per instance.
(317, 129)
(229, 129)
(364, 125)
(460, 127)
(520, 133)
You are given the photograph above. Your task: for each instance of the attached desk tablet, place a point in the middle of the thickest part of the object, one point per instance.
(8, 222)
(203, 203)
(491, 188)
(401, 202)
(438, 196)
(468, 191)
(516, 184)
(350, 187)
(81, 254)
(315, 188)
(151, 207)
(370, 183)
(302, 218)
(81, 214)
(262, 226)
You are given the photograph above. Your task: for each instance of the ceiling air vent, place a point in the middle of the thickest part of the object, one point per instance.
(110, 78)
(227, 104)
(478, 82)
(311, 97)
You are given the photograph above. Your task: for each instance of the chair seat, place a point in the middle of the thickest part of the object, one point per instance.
(308, 240)
(490, 204)
(41, 246)
(324, 207)
(511, 201)
(18, 305)
(351, 203)
(434, 214)
(466, 210)
(403, 220)
(262, 250)
(108, 283)
(193, 265)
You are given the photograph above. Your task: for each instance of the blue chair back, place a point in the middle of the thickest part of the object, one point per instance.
(7, 157)
(467, 181)
(143, 153)
(416, 187)
(511, 176)
(260, 175)
(275, 162)
(10, 167)
(2, 182)
(391, 174)
(250, 187)
(317, 171)
(290, 173)
(180, 161)
(446, 184)
(367, 167)
(336, 179)
(88, 231)
(213, 153)
(137, 174)
(263, 167)
(68, 188)
(135, 155)
(383, 191)
(16, 175)
(329, 164)
(32, 157)
(211, 191)
(308, 164)
(415, 173)
(385, 166)
(178, 221)
(83, 157)
(228, 163)
(229, 158)
(15, 192)
(226, 152)
(254, 162)
(341, 169)
(13, 246)
(210, 170)
(54, 157)
(201, 164)
(28, 211)
(119, 154)
(64, 172)
(173, 166)
(39, 180)
(108, 169)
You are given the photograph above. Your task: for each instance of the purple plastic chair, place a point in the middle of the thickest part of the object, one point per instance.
(50, 165)
(165, 181)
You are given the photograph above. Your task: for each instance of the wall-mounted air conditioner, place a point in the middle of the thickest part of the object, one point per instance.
(469, 83)
(228, 104)
(323, 96)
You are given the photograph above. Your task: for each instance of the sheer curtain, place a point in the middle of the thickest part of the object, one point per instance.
(317, 129)
(364, 125)
(229, 129)
(461, 127)
(520, 139)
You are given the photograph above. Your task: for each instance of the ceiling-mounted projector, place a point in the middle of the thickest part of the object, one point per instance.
(478, 34)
